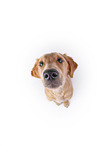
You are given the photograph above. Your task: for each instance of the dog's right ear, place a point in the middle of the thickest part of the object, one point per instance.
(34, 71)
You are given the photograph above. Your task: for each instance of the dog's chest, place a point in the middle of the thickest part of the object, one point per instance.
(59, 96)
(55, 95)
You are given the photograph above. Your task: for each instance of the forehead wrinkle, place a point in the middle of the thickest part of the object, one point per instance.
(49, 58)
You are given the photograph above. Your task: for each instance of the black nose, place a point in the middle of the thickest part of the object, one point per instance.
(50, 74)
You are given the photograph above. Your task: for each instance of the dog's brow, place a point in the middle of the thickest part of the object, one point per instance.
(47, 58)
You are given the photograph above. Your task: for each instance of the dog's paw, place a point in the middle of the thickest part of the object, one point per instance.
(66, 104)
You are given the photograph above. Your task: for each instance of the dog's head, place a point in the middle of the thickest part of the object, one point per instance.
(53, 69)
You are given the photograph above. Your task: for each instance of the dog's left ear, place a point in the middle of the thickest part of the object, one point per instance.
(34, 71)
(71, 65)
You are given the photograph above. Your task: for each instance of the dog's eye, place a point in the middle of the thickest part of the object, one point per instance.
(41, 64)
(59, 60)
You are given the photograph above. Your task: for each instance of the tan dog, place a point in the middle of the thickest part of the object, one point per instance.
(55, 71)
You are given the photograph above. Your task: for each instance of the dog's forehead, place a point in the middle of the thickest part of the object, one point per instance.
(49, 57)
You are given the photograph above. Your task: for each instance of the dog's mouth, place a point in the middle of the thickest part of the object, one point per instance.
(53, 84)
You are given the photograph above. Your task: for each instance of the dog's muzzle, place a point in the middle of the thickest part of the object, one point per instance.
(51, 78)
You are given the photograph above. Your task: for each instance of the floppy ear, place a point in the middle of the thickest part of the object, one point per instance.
(34, 71)
(71, 65)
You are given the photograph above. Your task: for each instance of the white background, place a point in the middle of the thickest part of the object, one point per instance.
(29, 29)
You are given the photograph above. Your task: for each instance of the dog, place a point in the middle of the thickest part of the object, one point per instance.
(56, 71)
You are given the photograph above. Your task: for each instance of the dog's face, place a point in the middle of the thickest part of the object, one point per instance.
(53, 69)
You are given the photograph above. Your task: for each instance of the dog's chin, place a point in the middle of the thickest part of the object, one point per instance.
(52, 85)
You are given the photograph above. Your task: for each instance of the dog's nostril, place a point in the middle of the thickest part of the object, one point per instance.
(46, 76)
(54, 75)
(50, 74)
